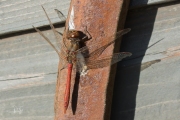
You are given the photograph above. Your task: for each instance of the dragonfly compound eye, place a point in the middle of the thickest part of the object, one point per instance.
(73, 34)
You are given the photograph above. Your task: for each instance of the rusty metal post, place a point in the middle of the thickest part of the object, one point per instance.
(92, 100)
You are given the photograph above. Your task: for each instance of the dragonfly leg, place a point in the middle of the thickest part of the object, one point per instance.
(73, 53)
(59, 33)
(74, 61)
(62, 68)
(88, 36)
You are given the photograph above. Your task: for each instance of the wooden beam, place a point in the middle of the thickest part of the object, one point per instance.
(91, 96)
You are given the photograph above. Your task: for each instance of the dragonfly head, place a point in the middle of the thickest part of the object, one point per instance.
(75, 35)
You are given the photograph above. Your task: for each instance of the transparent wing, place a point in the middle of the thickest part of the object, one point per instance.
(60, 15)
(62, 18)
(104, 62)
(80, 62)
(62, 53)
(88, 51)
(57, 35)
(61, 56)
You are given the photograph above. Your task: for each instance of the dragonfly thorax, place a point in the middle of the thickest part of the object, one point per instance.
(71, 57)
(73, 46)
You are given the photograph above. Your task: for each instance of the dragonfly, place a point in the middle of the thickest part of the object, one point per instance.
(83, 58)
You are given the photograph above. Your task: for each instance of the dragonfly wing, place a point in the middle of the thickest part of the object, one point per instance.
(60, 15)
(58, 36)
(63, 18)
(107, 61)
(104, 62)
(122, 32)
(93, 51)
(95, 54)
(61, 56)
(80, 62)
(119, 56)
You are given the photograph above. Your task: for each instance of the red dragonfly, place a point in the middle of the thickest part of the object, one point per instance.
(83, 58)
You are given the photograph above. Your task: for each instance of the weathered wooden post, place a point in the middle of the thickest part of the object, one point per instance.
(92, 100)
